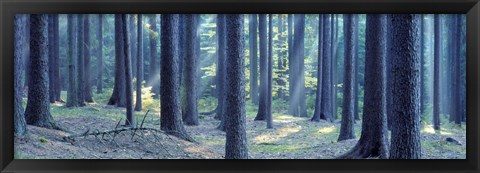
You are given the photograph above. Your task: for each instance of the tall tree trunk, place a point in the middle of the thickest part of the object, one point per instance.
(405, 136)
(86, 50)
(422, 63)
(373, 138)
(269, 116)
(133, 50)
(291, 75)
(221, 36)
(457, 102)
(190, 116)
(37, 112)
(389, 82)
(56, 58)
(80, 61)
(100, 54)
(356, 69)
(138, 105)
(297, 105)
(51, 85)
(263, 99)
(252, 34)
(236, 137)
(326, 102)
(130, 120)
(119, 93)
(72, 83)
(170, 119)
(318, 93)
(334, 65)
(346, 130)
(436, 74)
(20, 125)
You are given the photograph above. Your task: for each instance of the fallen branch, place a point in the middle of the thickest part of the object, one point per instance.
(109, 132)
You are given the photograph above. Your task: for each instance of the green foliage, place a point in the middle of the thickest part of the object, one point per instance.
(43, 140)
(279, 106)
(206, 104)
(148, 102)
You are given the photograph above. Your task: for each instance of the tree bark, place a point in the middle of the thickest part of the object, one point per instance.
(252, 34)
(190, 116)
(138, 105)
(118, 97)
(318, 93)
(87, 64)
(221, 36)
(263, 99)
(236, 137)
(130, 120)
(80, 61)
(20, 125)
(436, 74)
(326, 102)
(100, 54)
(72, 83)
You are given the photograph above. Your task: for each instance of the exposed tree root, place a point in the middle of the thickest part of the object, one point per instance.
(365, 150)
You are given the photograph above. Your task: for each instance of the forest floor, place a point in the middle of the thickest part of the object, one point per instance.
(291, 138)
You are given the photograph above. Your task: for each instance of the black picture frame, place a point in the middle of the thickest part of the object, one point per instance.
(8, 8)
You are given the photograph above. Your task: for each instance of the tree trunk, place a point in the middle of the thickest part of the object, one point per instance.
(80, 61)
(170, 119)
(436, 74)
(56, 58)
(138, 105)
(51, 85)
(154, 73)
(326, 102)
(100, 54)
(236, 137)
(221, 36)
(373, 139)
(291, 75)
(297, 105)
(457, 102)
(356, 70)
(130, 120)
(20, 127)
(388, 59)
(37, 112)
(263, 99)
(346, 130)
(190, 116)
(318, 93)
(119, 93)
(405, 136)
(252, 34)
(72, 84)
(422, 63)
(86, 50)
(269, 116)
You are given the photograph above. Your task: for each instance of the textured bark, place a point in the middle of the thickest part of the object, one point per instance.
(80, 61)
(422, 63)
(51, 86)
(170, 118)
(263, 99)
(190, 116)
(252, 35)
(133, 50)
(56, 58)
(373, 138)
(119, 93)
(405, 136)
(389, 86)
(436, 74)
(457, 80)
(269, 116)
(318, 93)
(130, 120)
(346, 129)
(236, 137)
(356, 70)
(291, 75)
(221, 36)
(72, 83)
(20, 125)
(326, 102)
(100, 54)
(37, 112)
(181, 51)
(86, 49)
(138, 105)
(334, 81)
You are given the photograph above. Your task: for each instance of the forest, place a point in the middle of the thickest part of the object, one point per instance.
(240, 86)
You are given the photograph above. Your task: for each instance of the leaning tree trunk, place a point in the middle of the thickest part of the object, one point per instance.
(37, 112)
(20, 127)
(190, 116)
(346, 130)
(373, 139)
(138, 105)
(236, 137)
(405, 136)
(318, 93)
(170, 119)
(263, 99)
